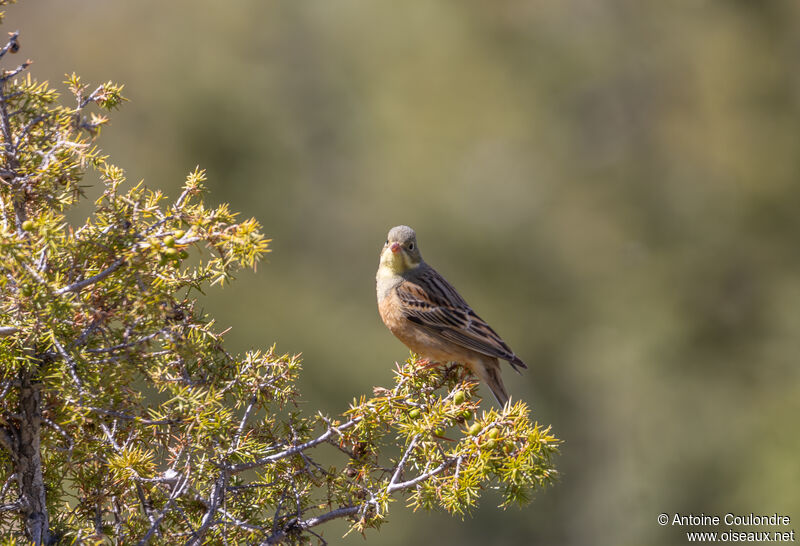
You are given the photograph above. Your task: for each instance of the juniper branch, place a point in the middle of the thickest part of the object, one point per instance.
(233, 469)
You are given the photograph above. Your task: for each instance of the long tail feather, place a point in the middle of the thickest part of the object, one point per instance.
(489, 373)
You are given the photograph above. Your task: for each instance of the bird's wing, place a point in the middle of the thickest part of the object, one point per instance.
(430, 301)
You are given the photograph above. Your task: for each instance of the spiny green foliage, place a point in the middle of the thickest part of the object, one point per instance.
(151, 431)
(432, 414)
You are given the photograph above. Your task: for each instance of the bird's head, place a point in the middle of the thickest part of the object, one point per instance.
(400, 252)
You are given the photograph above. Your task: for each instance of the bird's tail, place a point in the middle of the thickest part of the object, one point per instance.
(488, 371)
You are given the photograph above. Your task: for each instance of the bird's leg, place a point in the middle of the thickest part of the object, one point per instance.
(450, 370)
(426, 364)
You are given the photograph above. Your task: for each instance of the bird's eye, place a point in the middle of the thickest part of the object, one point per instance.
(387, 242)
(411, 246)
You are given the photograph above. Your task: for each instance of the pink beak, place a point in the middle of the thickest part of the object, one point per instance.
(395, 247)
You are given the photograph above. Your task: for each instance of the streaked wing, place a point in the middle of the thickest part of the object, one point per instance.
(430, 301)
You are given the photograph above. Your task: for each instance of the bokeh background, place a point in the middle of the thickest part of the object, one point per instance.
(614, 186)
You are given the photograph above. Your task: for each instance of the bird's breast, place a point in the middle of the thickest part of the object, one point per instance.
(390, 308)
(420, 340)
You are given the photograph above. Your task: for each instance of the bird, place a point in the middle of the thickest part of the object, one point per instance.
(431, 318)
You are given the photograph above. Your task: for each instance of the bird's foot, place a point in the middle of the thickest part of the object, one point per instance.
(426, 364)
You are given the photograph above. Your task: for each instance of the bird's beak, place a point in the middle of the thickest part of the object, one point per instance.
(395, 248)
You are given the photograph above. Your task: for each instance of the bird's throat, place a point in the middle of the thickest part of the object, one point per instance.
(395, 263)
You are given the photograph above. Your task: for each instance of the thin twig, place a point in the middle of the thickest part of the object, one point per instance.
(139, 341)
(25, 130)
(6, 387)
(278, 536)
(343, 512)
(73, 367)
(7, 485)
(9, 149)
(33, 272)
(10, 507)
(12, 43)
(80, 285)
(242, 424)
(422, 477)
(293, 450)
(214, 500)
(181, 198)
(8, 74)
(8, 441)
(94, 94)
(403, 460)
(57, 428)
(110, 437)
(178, 489)
(126, 417)
(229, 519)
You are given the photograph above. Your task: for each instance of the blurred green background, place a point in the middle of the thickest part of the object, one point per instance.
(614, 186)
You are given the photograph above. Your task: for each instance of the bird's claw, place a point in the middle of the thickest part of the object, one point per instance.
(426, 364)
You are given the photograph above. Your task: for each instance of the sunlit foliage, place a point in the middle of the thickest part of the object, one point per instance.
(122, 416)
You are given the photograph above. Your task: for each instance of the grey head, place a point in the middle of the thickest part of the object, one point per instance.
(407, 239)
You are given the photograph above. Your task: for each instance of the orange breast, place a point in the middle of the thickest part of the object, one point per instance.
(391, 312)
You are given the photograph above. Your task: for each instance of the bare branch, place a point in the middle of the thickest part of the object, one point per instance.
(403, 459)
(7, 485)
(229, 519)
(133, 343)
(422, 477)
(6, 331)
(178, 489)
(80, 285)
(126, 417)
(9, 150)
(343, 512)
(214, 501)
(238, 435)
(280, 535)
(10, 507)
(181, 198)
(28, 268)
(57, 428)
(293, 450)
(30, 475)
(23, 134)
(6, 387)
(8, 74)
(110, 437)
(73, 367)
(92, 96)
(11, 45)
(8, 442)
